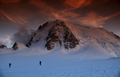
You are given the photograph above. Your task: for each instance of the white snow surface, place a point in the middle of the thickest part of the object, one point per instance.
(56, 66)
(21, 46)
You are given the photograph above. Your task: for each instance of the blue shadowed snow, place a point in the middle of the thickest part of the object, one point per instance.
(28, 66)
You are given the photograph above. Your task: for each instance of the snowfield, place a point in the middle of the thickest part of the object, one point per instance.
(97, 55)
(57, 66)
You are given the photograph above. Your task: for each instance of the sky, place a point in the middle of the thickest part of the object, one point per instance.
(19, 18)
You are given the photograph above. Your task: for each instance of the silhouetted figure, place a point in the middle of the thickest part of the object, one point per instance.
(40, 63)
(9, 65)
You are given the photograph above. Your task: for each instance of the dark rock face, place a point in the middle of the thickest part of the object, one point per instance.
(2, 46)
(30, 42)
(62, 34)
(70, 40)
(42, 27)
(15, 46)
(116, 35)
(59, 33)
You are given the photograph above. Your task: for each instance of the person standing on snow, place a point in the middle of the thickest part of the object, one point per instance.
(9, 65)
(40, 63)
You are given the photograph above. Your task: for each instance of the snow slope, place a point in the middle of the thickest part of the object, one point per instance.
(21, 46)
(57, 66)
(93, 42)
(97, 55)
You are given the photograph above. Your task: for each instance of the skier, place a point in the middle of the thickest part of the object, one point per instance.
(9, 65)
(40, 63)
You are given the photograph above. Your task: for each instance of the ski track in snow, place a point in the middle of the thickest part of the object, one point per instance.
(28, 66)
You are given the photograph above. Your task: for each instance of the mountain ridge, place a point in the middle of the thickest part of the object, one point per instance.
(86, 41)
(87, 38)
(59, 32)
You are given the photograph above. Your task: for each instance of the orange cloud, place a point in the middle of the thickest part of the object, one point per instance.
(113, 15)
(10, 1)
(93, 19)
(8, 36)
(44, 9)
(8, 16)
(40, 4)
(48, 12)
(16, 18)
(77, 3)
(6, 39)
(64, 15)
(51, 13)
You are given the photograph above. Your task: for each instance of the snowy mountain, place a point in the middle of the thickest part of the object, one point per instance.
(68, 37)
(61, 37)
(65, 50)
(59, 34)
(16, 47)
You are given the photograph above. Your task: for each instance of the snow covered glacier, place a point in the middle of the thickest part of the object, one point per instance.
(66, 50)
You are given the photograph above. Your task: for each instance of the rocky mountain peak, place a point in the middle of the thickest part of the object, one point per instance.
(62, 34)
(58, 32)
(15, 46)
(41, 27)
(2, 46)
(18, 46)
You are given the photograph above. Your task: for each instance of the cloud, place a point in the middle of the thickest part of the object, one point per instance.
(8, 36)
(90, 19)
(6, 41)
(113, 15)
(22, 36)
(93, 19)
(44, 10)
(7, 16)
(19, 12)
(77, 3)
(64, 15)
(14, 17)
(10, 1)
(51, 13)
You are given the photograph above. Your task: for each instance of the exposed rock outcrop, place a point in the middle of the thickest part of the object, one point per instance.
(2, 46)
(15, 46)
(62, 34)
(57, 33)
(116, 36)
